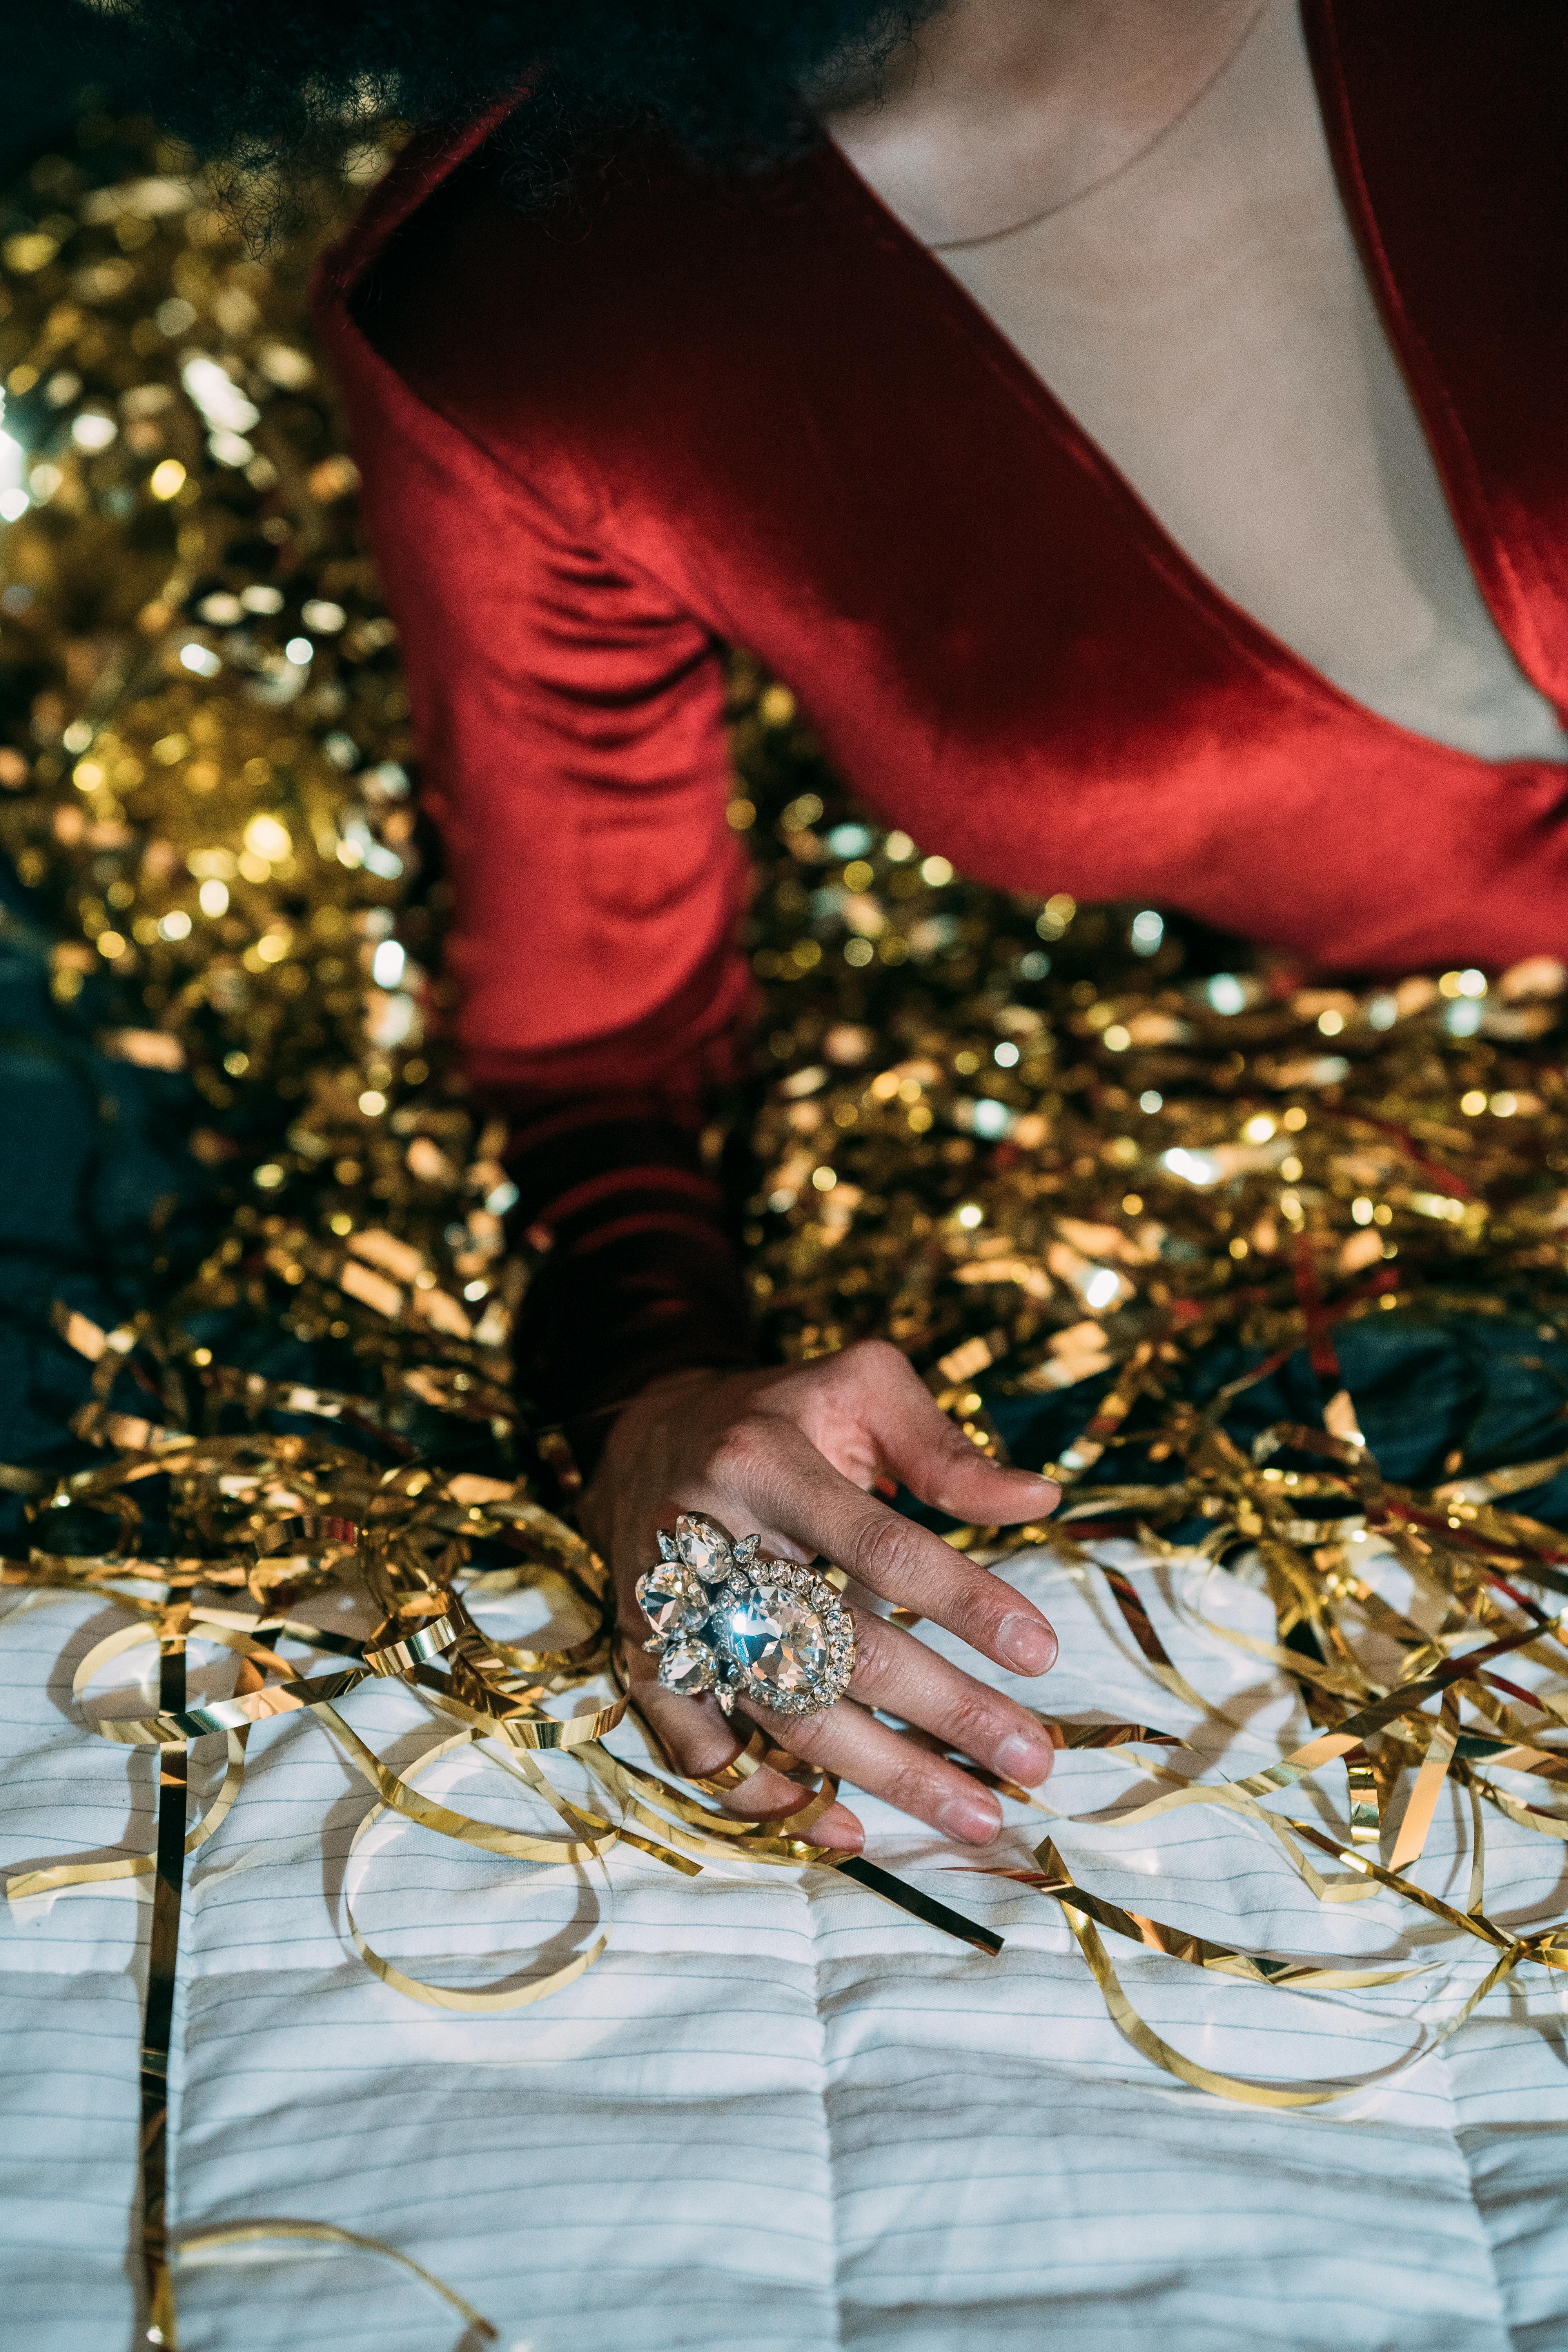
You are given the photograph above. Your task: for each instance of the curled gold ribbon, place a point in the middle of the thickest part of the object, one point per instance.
(592, 1841)
(197, 2249)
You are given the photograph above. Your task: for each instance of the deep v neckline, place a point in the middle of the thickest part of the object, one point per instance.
(1444, 436)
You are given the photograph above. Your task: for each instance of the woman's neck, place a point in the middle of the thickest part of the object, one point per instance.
(1001, 110)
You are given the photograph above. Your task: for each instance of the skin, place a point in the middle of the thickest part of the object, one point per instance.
(792, 1455)
(999, 111)
(1003, 110)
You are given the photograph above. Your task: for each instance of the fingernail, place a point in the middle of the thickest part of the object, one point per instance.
(1022, 1759)
(1027, 1643)
(975, 1818)
(1032, 1479)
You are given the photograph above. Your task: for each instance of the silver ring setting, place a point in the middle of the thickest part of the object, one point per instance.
(728, 1619)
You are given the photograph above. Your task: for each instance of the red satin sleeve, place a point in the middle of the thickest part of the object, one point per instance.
(570, 723)
(570, 719)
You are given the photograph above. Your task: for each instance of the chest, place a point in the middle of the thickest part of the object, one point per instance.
(1205, 317)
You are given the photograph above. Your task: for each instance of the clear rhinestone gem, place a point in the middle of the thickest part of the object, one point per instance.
(777, 1638)
(687, 1668)
(705, 1546)
(672, 1601)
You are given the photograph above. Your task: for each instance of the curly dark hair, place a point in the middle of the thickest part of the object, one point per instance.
(288, 84)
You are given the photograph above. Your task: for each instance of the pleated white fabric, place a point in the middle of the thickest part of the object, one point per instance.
(781, 2115)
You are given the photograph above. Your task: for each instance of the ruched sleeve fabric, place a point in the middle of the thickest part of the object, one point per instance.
(570, 718)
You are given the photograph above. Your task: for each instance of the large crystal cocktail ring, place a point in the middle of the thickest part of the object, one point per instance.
(727, 1619)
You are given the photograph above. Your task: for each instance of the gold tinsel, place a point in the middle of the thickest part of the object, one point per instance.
(1035, 1144)
(1013, 1135)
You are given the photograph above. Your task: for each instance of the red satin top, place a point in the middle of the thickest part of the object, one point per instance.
(693, 411)
(596, 446)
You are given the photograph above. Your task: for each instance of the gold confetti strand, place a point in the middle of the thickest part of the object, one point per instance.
(25, 1884)
(1234, 2087)
(759, 1750)
(720, 1837)
(198, 2249)
(1179, 1944)
(1418, 1813)
(293, 1691)
(520, 1722)
(591, 1833)
(1407, 1132)
(1441, 1747)
(1525, 1817)
(1231, 1798)
(590, 1841)
(715, 1836)
(1139, 1624)
(1366, 1803)
(289, 1694)
(1240, 1794)
(1338, 1682)
(1404, 1699)
(1111, 1411)
(227, 1383)
(1546, 1764)
(1107, 1735)
(1136, 1619)
(1181, 1794)
(593, 1837)
(162, 1962)
(520, 1764)
(1473, 1922)
(1476, 1898)
(1481, 1693)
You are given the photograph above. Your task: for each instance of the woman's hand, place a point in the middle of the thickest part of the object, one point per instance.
(790, 1454)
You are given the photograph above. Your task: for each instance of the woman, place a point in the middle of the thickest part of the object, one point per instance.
(1135, 427)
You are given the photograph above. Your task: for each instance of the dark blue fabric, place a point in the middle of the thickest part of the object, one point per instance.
(103, 1207)
(1492, 1388)
(89, 1147)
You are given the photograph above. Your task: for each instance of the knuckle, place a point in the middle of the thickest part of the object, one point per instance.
(876, 1362)
(742, 1450)
(887, 1554)
(911, 1785)
(975, 1607)
(873, 1653)
(975, 1722)
(803, 1735)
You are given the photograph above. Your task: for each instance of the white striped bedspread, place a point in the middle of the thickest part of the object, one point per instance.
(780, 2115)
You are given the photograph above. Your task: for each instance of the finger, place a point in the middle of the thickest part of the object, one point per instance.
(769, 1467)
(845, 1741)
(922, 1447)
(699, 1742)
(905, 1677)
